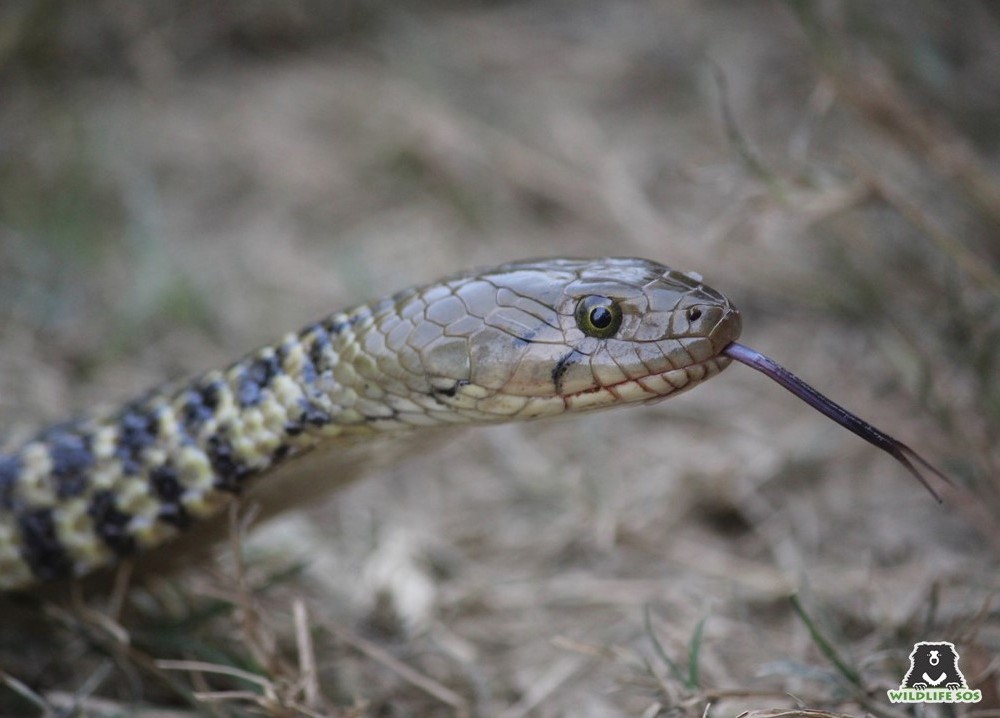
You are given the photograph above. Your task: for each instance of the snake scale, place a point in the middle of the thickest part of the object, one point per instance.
(520, 341)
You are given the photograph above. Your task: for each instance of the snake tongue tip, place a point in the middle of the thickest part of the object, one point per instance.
(829, 408)
(910, 458)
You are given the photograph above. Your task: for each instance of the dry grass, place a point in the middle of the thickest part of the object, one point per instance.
(177, 186)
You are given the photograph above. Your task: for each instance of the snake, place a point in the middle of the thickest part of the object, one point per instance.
(524, 340)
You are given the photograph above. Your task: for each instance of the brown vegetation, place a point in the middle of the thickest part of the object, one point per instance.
(180, 182)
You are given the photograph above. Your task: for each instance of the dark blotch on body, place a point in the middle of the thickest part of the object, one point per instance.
(230, 472)
(320, 341)
(10, 469)
(339, 326)
(40, 547)
(309, 375)
(166, 483)
(312, 415)
(110, 523)
(365, 313)
(199, 406)
(255, 379)
(72, 459)
(137, 430)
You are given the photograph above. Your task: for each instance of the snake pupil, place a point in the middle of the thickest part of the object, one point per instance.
(600, 317)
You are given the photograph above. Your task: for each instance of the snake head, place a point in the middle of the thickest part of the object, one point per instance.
(544, 337)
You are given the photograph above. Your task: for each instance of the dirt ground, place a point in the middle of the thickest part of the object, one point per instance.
(179, 184)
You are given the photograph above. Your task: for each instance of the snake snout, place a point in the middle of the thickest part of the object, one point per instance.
(719, 323)
(727, 328)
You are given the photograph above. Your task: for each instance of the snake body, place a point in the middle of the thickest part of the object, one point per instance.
(520, 341)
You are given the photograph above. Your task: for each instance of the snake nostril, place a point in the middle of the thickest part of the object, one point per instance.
(694, 314)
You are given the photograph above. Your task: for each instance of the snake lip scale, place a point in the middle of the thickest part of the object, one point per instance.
(524, 340)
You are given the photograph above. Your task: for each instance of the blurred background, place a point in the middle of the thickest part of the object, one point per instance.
(180, 182)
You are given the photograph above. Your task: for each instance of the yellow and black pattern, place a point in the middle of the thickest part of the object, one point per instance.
(495, 345)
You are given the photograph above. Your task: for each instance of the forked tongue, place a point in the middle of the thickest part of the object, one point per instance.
(894, 447)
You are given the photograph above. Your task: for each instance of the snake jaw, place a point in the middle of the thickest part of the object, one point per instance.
(671, 383)
(646, 389)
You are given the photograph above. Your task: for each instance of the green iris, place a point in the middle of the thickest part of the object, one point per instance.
(598, 316)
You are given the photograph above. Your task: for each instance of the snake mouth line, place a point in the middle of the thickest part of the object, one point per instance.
(847, 419)
(683, 378)
(647, 389)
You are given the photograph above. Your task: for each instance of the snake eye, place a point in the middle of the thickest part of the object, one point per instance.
(598, 316)
(693, 314)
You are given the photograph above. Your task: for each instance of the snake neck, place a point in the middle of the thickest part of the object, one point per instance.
(85, 494)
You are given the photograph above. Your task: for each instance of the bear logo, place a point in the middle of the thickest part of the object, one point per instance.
(934, 665)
